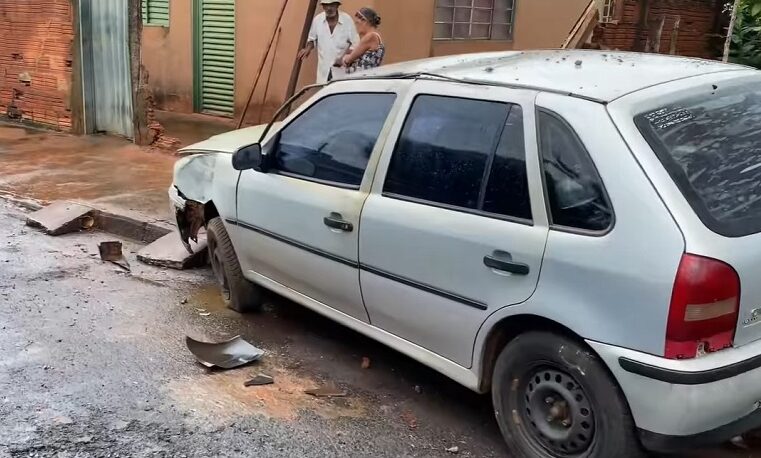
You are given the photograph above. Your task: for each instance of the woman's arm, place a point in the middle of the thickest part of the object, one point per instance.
(367, 43)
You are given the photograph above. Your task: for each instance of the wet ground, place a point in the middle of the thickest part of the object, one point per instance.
(93, 363)
(105, 171)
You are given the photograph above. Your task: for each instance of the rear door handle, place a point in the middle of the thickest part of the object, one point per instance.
(502, 262)
(336, 222)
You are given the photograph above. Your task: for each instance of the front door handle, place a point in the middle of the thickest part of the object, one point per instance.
(503, 262)
(336, 222)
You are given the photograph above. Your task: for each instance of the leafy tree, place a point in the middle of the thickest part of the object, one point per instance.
(745, 41)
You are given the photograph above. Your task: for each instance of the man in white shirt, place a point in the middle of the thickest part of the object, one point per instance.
(333, 33)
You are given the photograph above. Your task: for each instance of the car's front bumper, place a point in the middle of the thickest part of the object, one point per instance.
(687, 403)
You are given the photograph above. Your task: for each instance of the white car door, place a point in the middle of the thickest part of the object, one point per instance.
(298, 224)
(455, 226)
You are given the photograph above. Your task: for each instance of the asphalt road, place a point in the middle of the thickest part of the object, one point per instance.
(93, 364)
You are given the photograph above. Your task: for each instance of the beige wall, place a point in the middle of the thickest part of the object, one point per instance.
(167, 54)
(407, 30)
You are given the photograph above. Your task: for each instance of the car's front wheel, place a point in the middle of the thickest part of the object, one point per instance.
(554, 399)
(238, 293)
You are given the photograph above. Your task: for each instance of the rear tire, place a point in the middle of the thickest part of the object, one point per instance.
(238, 293)
(553, 398)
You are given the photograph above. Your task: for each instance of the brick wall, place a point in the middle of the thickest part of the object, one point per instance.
(35, 61)
(697, 32)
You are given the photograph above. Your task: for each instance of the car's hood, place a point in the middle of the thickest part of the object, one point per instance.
(229, 142)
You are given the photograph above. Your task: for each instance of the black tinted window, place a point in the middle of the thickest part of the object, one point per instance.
(574, 189)
(332, 140)
(507, 189)
(446, 151)
(711, 146)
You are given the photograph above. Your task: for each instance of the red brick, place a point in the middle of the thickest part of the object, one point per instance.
(36, 37)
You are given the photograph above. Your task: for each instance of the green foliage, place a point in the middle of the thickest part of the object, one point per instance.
(746, 40)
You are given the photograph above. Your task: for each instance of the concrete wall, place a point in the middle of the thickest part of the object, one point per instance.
(36, 61)
(407, 30)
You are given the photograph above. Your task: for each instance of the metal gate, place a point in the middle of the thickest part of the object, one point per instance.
(215, 56)
(106, 66)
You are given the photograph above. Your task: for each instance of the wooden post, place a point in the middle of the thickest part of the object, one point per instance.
(296, 71)
(730, 31)
(675, 36)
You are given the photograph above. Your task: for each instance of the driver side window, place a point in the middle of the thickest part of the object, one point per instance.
(575, 192)
(332, 141)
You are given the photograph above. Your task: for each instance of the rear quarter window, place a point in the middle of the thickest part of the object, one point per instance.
(711, 146)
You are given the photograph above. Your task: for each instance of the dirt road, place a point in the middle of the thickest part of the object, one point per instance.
(93, 363)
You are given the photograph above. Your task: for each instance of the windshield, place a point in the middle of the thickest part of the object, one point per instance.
(711, 146)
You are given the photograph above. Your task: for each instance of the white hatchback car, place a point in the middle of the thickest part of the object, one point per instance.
(578, 233)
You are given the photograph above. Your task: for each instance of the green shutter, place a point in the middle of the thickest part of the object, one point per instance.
(156, 12)
(217, 57)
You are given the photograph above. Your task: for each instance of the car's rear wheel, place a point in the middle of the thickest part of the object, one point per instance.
(238, 293)
(554, 399)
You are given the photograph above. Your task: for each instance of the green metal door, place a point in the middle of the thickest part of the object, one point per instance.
(215, 56)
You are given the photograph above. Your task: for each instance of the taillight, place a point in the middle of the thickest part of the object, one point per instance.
(704, 308)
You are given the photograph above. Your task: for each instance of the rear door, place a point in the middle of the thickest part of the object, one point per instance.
(298, 225)
(455, 227)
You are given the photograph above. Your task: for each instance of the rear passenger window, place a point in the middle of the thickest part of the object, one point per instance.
(575, 191)
(462, 153)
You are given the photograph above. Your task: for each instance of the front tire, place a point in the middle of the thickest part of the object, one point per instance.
(554, 399)
(238, 293)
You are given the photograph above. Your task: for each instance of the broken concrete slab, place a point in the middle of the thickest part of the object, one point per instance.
(61, 217)
(168, 251)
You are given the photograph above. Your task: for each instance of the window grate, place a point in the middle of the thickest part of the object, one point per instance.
(474, 19)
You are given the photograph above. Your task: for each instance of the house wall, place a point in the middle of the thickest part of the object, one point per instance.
(698, 21)
(36, 40)
(407, 30)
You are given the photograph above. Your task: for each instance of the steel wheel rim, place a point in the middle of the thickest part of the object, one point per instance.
(557, 414)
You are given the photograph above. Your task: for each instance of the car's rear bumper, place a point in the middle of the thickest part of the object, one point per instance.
(689, 403)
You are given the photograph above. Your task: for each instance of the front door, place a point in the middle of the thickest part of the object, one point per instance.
(298, 225)
(214, 83)
(454, 228)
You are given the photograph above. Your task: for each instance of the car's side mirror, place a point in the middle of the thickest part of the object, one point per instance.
(249, 157)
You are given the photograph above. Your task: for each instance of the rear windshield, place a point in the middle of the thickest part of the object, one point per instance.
(711, 146)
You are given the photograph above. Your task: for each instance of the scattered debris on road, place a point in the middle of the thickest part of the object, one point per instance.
(260, 380)
(230, 354)
(453, 450)
(418, 389)
(112, 252)
(327, 392)
(205, 314)
(365, 362)
(409, 419)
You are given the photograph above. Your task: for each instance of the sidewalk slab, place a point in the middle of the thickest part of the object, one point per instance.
(168, 251)
(62, 218)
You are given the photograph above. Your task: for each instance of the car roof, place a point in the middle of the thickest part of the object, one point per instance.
(597, 75)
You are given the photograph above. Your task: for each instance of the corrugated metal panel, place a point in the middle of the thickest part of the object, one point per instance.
(156, 12)
(111, 79)
(217, 56)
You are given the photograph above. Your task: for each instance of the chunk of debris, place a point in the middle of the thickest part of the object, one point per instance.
(229, 354)
(260, 380)
(170, 252)
(61, 217)
(365, 362)
(205, 314)
(409, 419)
(327, 392)
(418, 389)
(112, 252)
(453, 450)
